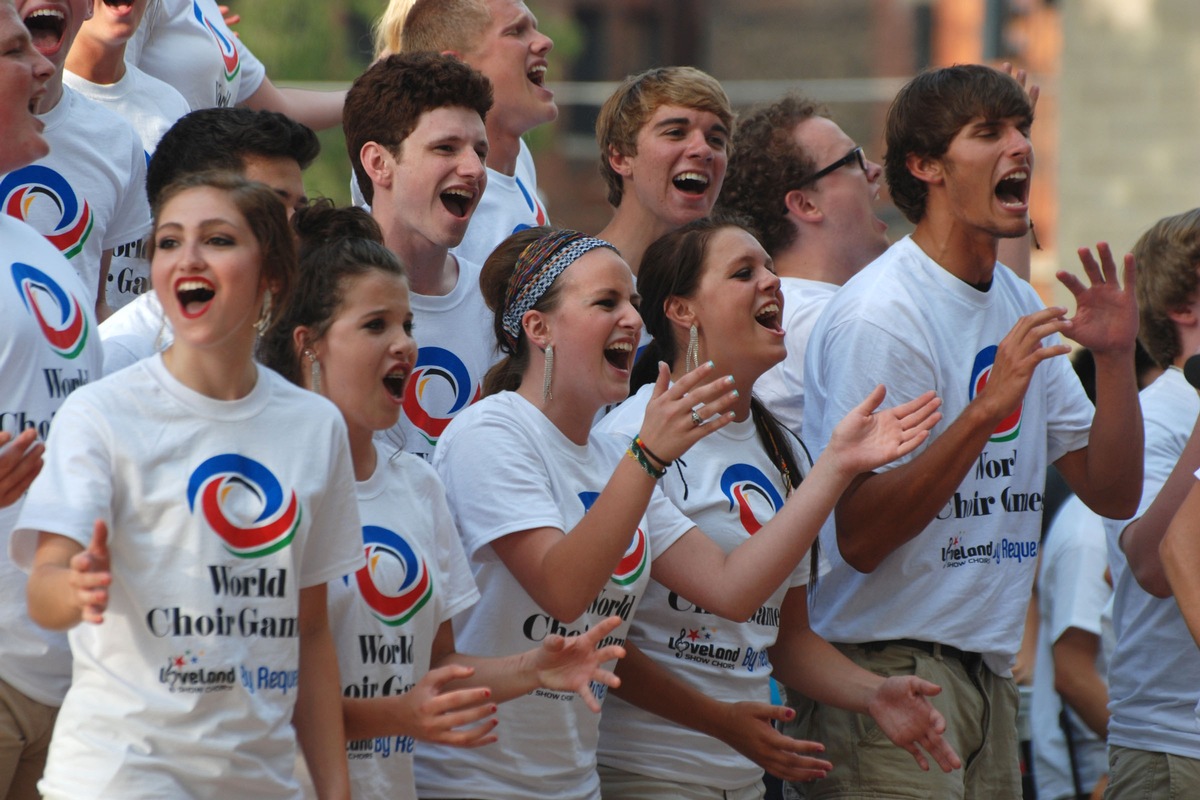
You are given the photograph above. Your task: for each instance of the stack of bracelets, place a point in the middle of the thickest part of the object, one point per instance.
(646, 458)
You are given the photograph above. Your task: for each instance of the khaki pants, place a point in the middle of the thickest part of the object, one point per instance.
(617, 784)
(25, 728)
(1151, 776)
(981, 725)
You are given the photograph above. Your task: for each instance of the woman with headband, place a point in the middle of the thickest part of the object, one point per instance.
(561, 526)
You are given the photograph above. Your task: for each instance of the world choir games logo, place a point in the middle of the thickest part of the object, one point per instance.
(438, 388)
(25, 192)
(395, 583)
(535, 207)
(754, 496)
(59, 314)
(229, 53)
(637, 555)
(243, 503)
(1010, 427)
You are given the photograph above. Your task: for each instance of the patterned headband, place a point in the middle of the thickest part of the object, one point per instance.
(538, 266)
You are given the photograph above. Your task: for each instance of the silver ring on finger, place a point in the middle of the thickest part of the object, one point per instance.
(696, 421)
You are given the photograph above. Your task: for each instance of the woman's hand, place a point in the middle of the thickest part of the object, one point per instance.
(748, 728)
(438, 716)
(90, 575)
(572, 663)
(866, 438)
(681, 414)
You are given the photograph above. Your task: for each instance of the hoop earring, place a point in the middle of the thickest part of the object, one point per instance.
(264, 319)
(314, 370)
(691, 359)
(546, 393)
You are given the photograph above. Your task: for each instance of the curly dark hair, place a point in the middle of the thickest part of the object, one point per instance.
(767, 163)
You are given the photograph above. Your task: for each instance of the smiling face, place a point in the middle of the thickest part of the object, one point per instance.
(737, 307)
(846, 196)
(114, 21)
(985, 176)
(368, 351)
(439, 175)
(53, 25)
(595, 330)
(23, 76)
(207, 270)
(677, 171)
(512, 54)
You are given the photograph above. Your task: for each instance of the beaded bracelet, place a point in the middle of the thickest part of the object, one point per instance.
(663, 463)
(638, 454)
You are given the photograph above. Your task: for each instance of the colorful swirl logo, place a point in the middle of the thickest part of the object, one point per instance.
(1010, 427)
(20, 190)
(395, 583)
(637, 555)
(229, 53)
(746, 487)
(66, 326)
(535, 207)
(243, 503)
(438, 388)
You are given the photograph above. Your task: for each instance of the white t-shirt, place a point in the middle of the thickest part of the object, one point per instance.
(151, 106)
(48, 348)
(1154, 676)
(965, 580)
(509, 204)
(219, 513)
(729, 487)
(134, 332)
(456, 348)
(781, 388)
(1071, 594)
(507, 468)
(89, 194)
(385, 616)
(187, 44)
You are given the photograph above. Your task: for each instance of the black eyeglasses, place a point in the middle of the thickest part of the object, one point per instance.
(854, 155)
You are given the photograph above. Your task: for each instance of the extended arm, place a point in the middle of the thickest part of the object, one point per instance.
(317, 110)
(1076, 678)
(734, 585)
(746, 726)
(564, 573)
(317, 716)
(1180, 554)
(899, 705)
(69, 584)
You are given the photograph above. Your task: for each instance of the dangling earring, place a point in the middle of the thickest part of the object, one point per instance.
(314, 370)
(546, 393)
(264, 319)
(692, 359)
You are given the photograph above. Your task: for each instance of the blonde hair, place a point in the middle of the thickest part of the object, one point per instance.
(389, 28)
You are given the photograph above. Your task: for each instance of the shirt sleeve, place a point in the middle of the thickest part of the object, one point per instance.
(334, 544)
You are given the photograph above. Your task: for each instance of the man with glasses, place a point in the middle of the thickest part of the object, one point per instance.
(932, 558)
(811, 193)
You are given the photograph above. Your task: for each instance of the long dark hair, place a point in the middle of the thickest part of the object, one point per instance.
(672, 267)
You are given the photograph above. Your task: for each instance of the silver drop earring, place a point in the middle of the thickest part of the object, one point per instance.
(546, 393)
(314, 370)
(264, 319)
(691, 359)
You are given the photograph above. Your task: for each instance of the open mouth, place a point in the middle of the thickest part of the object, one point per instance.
(537, 75)
(46, 27)
(457, 201)
(194, 296)
(123, 5)
(620, 355)
(768, 317)
(1013, 190)
(691, 183)
(394, 383)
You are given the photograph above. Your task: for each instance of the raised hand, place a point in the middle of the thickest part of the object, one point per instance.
(681, 414)
(1017, 356)
(1033, 91)
(903, 712)
(91, 575)
(572, 663)
(747, 728)
(20, 463)
(435, 715)
(866, 438)
(1106, 315)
